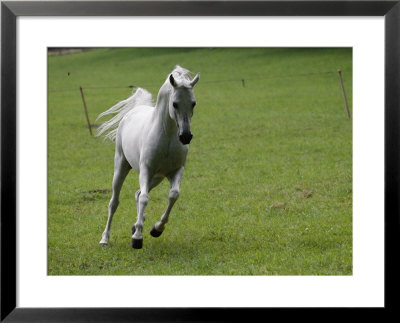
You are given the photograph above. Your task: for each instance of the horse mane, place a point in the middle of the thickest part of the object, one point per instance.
(181, 74)
(139, 97)
(110, 127)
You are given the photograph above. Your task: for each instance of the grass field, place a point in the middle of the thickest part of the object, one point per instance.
(267, 188)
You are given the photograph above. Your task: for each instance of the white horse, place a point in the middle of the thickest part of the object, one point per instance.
(154, 141)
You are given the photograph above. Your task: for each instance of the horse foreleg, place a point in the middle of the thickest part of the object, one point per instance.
(121, 169)
(175, 181)
(154, 182)
(142, 200)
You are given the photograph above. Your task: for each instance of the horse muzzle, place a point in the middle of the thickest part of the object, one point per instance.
(185, 137)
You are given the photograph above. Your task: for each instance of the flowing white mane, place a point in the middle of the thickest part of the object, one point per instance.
(139, 97)
(110, 127)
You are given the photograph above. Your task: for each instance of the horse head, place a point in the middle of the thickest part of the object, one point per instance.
(182, 103)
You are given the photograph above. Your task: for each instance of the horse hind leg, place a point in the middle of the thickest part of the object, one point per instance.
(175, 180)
(121, 170)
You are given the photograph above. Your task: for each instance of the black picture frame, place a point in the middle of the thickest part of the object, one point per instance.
(10, 10)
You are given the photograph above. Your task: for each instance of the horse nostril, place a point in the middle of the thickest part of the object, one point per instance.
(185, 138)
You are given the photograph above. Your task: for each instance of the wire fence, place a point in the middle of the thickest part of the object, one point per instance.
(242, 80)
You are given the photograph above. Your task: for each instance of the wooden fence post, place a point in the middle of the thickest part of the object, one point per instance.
(344, 94)
(86, 112)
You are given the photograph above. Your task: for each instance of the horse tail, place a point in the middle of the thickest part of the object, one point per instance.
(110, 127)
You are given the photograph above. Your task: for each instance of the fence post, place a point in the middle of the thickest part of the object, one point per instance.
(86, 112)
(344, 94)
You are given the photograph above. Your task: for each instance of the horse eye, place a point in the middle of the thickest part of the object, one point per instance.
(175, 105)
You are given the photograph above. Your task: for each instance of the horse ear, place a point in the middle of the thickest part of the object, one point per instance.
(172, 80)
(195, 80)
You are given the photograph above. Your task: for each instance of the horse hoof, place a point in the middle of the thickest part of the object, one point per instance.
(104, 239)
(137, 243)
(154, 233)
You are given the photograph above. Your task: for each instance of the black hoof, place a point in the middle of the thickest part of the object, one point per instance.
(137, 243)
(155, 233)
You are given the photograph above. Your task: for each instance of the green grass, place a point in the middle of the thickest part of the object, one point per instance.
(267, 188)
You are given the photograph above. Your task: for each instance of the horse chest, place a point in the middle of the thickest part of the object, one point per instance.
(173, 155)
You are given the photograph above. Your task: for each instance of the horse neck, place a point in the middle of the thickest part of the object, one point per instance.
(162, 116)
